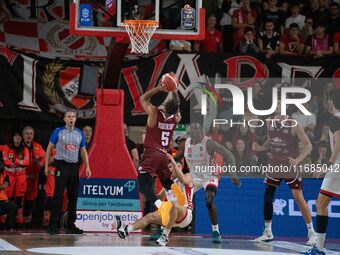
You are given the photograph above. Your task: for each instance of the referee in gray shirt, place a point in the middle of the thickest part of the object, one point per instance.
(68, 141)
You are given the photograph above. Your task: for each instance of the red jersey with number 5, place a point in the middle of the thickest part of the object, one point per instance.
(161, 135)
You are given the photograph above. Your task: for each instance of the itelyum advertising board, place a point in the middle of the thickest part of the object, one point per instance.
(108, 195)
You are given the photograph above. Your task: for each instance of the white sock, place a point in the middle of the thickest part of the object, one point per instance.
(320, 240)
(310, 227)
(129, 229)
(215, 228)
(166, 232)
(268, 226)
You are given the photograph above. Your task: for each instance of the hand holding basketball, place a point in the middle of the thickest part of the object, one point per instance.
(169, 81)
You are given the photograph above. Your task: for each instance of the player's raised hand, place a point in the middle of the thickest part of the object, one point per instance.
(162, 87)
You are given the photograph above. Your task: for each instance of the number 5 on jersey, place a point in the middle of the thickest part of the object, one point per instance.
(165, 138)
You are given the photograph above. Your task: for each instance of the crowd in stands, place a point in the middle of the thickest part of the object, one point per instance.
(269, 27)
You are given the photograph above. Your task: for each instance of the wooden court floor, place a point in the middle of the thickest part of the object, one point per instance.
(39, 242)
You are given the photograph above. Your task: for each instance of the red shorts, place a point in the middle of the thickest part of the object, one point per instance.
(49, 186)
(17, 187)
(31, 189)
(155, 163)
(292, 183)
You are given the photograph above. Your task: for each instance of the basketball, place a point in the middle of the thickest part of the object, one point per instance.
(170, 81)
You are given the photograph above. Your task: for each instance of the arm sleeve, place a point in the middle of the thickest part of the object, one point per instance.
(54, 136)
(82, 143)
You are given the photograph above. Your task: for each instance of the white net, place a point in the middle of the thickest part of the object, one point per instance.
(140, 33)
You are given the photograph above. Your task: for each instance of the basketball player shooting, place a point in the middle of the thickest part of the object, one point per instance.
(160, 126)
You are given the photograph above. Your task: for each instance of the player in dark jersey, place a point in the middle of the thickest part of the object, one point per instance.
(331, 184)
(181, 211)
(283, 145)
(161, 124)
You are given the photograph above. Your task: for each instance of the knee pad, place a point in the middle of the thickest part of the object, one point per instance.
(269, 194)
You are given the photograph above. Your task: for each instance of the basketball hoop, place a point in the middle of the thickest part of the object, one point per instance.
(140, 33)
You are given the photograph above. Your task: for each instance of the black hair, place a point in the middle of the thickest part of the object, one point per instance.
(293, 25)
(269, 21)
(248, 29)
(172, 105)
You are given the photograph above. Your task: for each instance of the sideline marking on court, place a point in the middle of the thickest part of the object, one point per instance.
(118, 250)
(296, 247)
(6, 246)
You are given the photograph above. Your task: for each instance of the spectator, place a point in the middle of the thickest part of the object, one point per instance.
(322, 153)
(180, 45)
(336, 41)
(273, 13)
(268, 40)
(69, 143)
(292, 44)
(248, 45)
(242, 18)
(213, 37)
(88, 132)
(245, 133)
(243, 156)
(320, 44)
(324, 135)
(228, 8)
(321, 14)
(6, 206)
(333, 20)
(307, 29)
(295, 16)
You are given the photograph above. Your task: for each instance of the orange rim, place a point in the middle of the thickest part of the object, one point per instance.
(134, 22)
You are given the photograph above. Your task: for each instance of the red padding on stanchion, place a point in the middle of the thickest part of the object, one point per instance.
(108, 155)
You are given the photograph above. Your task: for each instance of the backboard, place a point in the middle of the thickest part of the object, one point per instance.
(178, 19)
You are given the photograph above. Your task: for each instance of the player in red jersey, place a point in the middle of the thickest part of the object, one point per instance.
(159, 131)
(283, 145)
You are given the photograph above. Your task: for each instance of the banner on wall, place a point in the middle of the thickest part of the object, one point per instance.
(41, 89)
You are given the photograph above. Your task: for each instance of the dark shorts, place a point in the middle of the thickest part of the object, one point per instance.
(155, 163)
(292, 183)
